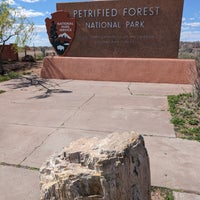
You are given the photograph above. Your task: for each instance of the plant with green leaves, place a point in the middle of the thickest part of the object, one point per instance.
(15, 26)
(185, 116)
(165, 193)
(9, 76)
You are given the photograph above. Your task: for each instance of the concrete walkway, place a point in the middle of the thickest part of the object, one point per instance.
(34, 123)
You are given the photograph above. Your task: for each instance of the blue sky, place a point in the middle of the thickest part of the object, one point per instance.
(38, 10)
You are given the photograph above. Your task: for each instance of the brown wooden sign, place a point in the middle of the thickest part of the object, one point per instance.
(139, 28)
(61, 29)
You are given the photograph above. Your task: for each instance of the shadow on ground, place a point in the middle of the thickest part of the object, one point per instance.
(48, 87)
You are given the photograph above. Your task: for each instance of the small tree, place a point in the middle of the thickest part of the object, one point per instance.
(13, 25)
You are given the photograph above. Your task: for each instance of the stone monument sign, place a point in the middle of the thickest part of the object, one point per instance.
(117, 40)
(124, 28)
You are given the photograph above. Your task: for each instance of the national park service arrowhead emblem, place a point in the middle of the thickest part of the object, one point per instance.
(61, 31)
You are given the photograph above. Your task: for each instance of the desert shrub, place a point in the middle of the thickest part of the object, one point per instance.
(13, 75)
(185, 55)
(197, 83)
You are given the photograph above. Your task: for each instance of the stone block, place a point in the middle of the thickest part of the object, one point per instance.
(114, 168)
(149, 70)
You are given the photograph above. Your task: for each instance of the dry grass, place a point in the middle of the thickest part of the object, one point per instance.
(159, 193)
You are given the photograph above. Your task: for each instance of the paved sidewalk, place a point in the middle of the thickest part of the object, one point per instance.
(34, 123)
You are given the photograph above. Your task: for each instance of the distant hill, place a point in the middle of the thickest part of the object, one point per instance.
(189, 50)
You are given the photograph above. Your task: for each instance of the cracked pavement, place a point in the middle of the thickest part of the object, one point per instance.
(40, 118)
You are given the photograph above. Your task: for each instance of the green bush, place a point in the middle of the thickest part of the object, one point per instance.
(4, 78)
(10, 75)
(177, 121)
(193, 122)
(13, 75)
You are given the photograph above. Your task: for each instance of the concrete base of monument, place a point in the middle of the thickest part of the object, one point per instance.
(148, 70)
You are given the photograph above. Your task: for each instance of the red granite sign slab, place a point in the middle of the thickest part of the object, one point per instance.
(139, 28)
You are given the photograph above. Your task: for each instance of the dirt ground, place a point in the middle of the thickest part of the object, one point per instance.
(35, 69)
(24, 67)
(157, 195)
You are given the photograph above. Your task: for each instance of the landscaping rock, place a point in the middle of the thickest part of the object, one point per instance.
(114, 168)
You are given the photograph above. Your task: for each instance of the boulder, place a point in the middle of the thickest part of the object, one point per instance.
(114, 168)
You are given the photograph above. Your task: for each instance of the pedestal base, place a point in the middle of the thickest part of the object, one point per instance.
(120, 69)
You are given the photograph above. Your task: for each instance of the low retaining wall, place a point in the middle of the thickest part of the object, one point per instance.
(120, 69)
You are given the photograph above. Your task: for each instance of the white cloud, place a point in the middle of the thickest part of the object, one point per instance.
(30, 1)
(190, 36)
(190, 30)
(40, 28)
(183, 28)
(11, 2)
(192, 24)
(40, 36)
(29, 13)
(40, 40)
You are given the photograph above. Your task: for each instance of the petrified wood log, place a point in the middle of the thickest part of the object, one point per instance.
(114, 168)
